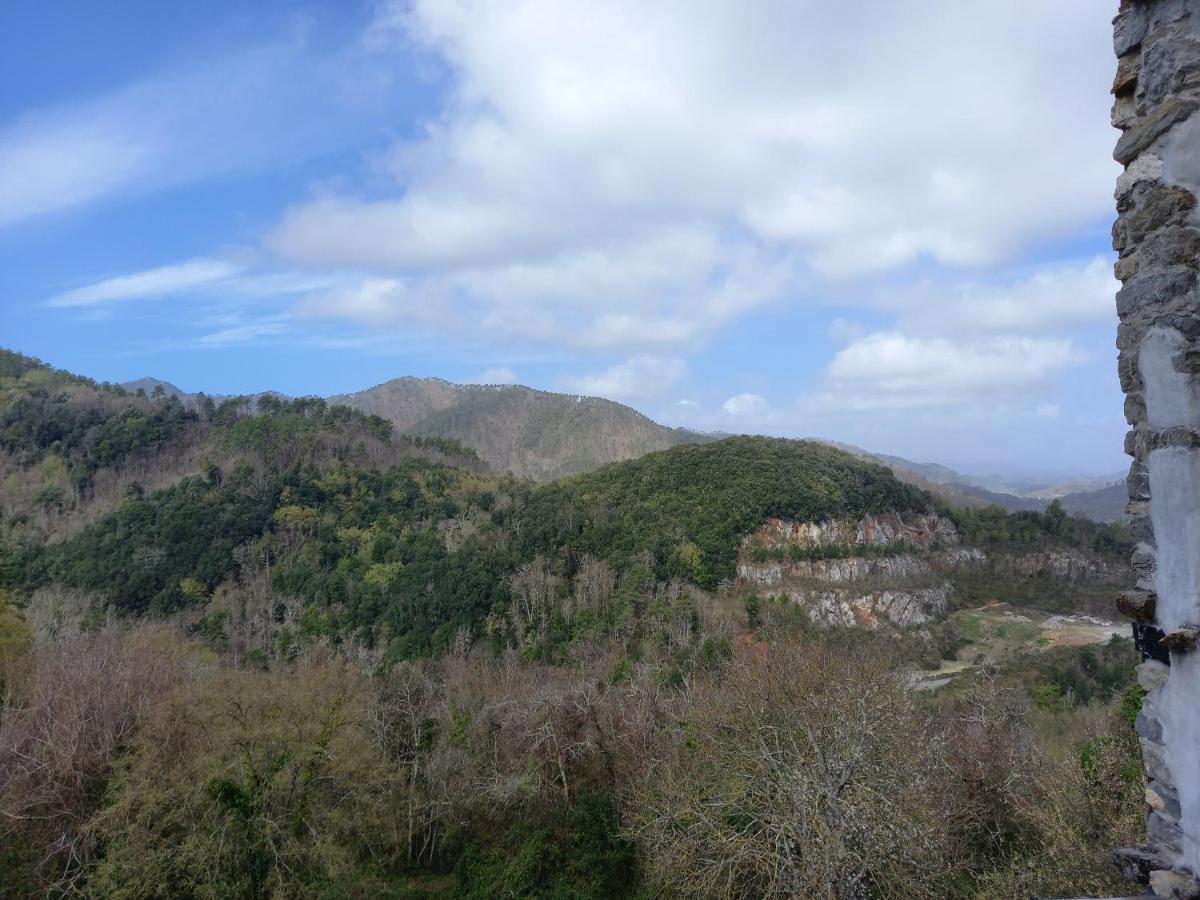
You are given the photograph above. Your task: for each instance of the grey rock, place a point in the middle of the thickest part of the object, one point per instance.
(1129, 28)
(1136, 863)
(1164, 833)
(1163, 800)
(1154, 288)
(1156, 764)
(1147, 727)
(1169, 66)
(1150, 128)
(1152, 675)
(1169, 883)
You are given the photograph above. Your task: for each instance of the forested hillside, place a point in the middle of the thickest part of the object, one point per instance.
(533, 434)
(282, 649)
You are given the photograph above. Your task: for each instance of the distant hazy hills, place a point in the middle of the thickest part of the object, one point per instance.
(544, 436)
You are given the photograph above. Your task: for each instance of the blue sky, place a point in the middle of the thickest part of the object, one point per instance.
(871, 222)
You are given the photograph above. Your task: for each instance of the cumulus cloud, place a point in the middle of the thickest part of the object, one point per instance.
(746, 406)
(567, 122)
(638, 378)
(1050, 299)
(890, 370)
(633, 177)
(676, 287)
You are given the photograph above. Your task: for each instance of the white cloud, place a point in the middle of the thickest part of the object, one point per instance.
(1050, 299)
(370, 301)
(673, 287)
(173, 279)
(893, 371)
(746, 405)
(638, 378)
(242, 334)
(197, 277)
(567, 122)
(496, 375)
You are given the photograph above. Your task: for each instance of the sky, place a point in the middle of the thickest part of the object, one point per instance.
(881, 223)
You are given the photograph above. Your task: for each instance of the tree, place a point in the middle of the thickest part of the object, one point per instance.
(806, 773)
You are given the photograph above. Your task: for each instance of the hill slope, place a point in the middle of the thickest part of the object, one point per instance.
(531, 433)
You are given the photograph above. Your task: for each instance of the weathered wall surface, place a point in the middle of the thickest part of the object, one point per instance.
(1157, 237)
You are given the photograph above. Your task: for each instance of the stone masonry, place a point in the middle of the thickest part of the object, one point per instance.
(1157, 237)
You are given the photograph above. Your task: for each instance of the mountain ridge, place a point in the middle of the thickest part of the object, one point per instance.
(546, 435)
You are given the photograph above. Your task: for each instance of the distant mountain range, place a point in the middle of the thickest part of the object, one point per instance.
(544, 436)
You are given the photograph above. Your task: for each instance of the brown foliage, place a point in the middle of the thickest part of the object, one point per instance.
(82, 703)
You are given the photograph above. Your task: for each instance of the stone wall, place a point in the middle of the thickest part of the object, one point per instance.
(1157, 236)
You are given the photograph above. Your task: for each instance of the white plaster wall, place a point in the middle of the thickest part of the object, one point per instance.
(1175, 514)
(1171, 396)
(1181, 731)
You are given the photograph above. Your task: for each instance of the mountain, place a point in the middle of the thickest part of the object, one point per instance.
(378, 645)
(531, 433)
(544, 436)
(945, 483)
(149, 385)
(1104, 505)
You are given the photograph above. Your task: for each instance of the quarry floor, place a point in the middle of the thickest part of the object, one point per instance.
(998, 631)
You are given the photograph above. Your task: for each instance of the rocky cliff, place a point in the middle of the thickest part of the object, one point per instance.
(889, 569)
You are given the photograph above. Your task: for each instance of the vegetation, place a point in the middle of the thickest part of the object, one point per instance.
(271, 648)
(534, 434)
(992, 526)
(689, 507)
(136, 764)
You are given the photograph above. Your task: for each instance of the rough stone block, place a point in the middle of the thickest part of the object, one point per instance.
(1169, 883)
(1162, 832)
(1152, 675)
(1151, 127)
(1170, 246)
(1181, 640)
(1129, 28)
(1145, 557)
(1137, 483)
(1137, 863)
(1151, 205)
(1138, 605)
(1163, 800)
(1147, 167)
(1156, 765)
(1148, 727)
(1168, 66)
(1152, 288)
(1127, 73)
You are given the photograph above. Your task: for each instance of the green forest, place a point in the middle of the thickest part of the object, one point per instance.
(256, 646)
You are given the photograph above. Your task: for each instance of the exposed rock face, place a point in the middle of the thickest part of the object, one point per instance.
(1157, 234)
(1068, 565)
(891, 548)
(899, 608)
(922, 532)
(860, 568)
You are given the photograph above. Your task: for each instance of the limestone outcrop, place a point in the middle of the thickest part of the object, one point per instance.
(898, 608)
(890, 530)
